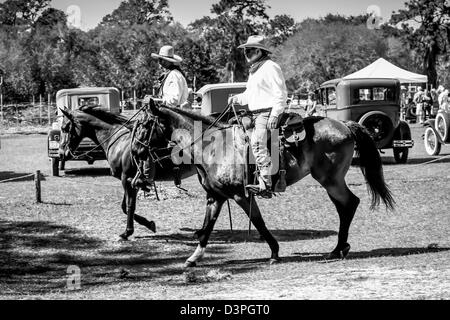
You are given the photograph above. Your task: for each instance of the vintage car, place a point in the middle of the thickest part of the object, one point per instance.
(212, 99)
(437, 132)
(73, 99)
(373, 103)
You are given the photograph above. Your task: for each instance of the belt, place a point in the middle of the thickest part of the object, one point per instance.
(260, 110)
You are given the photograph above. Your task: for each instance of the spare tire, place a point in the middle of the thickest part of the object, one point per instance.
(442, 125)
(379, 126)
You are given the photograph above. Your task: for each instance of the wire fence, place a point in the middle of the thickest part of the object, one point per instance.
(28, 114)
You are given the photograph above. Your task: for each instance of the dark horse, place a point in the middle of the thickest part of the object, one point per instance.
(113, 133)
(326, 153)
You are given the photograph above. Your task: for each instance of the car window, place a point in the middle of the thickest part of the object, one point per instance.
(331, 97)
(88, 101)
(361, 95)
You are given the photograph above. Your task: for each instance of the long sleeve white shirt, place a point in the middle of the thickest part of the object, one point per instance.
(266, 88)
(175, 89)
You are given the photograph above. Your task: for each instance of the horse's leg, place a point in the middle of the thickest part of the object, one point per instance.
(139, 219)
(258, 222)
(346, 204)
(130, 206)
(206, 221)
(213, 207)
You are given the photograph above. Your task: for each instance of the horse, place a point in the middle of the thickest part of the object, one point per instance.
(114, 134)
(326, 154)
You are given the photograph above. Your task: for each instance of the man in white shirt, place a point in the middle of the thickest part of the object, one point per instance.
(173, 92)
(173, 89)
(266, 96)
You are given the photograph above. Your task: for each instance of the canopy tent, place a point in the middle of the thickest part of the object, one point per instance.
(384, 69)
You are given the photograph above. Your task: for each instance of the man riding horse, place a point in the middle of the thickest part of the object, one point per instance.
(266, 96)
(173, 92)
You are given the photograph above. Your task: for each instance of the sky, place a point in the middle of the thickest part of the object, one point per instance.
(186, 11)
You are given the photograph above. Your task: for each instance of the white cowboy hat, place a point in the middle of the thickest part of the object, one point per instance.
(256, 42)
(166, 53)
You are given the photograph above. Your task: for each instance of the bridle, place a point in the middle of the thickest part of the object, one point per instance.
(156, 126)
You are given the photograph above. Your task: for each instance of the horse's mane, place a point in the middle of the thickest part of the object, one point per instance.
(196, 116)
(107, 116)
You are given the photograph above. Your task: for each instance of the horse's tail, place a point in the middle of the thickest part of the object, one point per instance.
(371, 166)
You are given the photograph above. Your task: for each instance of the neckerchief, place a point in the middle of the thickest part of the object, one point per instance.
(255, 66)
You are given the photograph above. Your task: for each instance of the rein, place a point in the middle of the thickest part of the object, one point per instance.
(106, 140)
(222, 114)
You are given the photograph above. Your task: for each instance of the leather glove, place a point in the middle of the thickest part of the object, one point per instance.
(146, 99)
(272, 123)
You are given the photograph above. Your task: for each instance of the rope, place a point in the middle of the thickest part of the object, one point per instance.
(423, 164)
(17, 178)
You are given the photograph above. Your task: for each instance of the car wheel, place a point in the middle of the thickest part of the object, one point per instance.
(431, 142)
(62, 164)
(379, 126)
(442, 124)
(55, 167)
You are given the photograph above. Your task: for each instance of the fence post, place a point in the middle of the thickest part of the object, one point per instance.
(17, 114)
(1, 106)
(40, 109)
(37, 181)
(135, 101)
(48, 110)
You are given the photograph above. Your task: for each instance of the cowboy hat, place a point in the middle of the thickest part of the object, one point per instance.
(256, 42)
(166, 53)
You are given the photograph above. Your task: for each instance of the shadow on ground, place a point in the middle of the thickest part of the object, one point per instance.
(322, 257)
(88, 172)
(218, 236)
(36, 255)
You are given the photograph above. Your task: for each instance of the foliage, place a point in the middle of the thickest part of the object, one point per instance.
(426, 28)
(323, 51)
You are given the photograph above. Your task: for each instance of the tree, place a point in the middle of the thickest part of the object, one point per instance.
(21, 12)
(280, 28)
(197, 62)
(432, 36)
(323, 51)
(132, 12)
(232, 22)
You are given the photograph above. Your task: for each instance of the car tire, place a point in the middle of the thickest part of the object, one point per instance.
(62, 164)
(431, 142)
(55, 167)
(371, 119)
(442, 125)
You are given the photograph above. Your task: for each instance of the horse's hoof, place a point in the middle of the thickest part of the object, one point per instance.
(151, 226)
(190, 264)
(339, 253)
(274, 261)
(123, 237)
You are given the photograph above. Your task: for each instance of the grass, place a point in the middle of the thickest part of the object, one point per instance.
(395, 255)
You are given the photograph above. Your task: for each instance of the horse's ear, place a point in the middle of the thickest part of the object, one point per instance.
(67, 114)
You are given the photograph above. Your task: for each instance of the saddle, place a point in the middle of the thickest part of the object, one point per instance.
(292, 132)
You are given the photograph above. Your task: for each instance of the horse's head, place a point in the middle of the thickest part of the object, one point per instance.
(72, 132)
(151, 132)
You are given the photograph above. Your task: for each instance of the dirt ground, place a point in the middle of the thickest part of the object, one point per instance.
(395, 255)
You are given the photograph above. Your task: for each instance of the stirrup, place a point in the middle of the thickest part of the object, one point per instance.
(254, 188)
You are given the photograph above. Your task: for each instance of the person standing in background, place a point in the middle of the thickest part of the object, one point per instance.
(418, 101)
